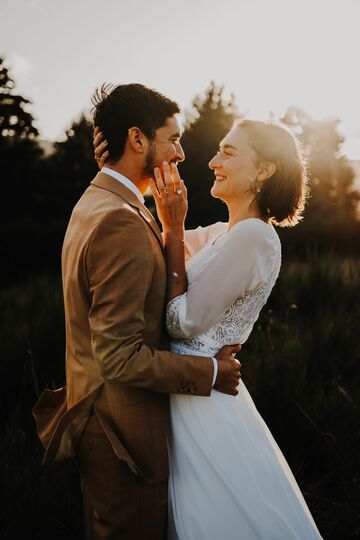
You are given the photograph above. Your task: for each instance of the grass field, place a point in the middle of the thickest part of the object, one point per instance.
(301, 364)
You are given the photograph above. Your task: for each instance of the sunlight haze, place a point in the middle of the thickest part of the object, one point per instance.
(270, 55)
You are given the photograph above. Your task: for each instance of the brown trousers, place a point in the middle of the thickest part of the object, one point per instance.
(118, 505)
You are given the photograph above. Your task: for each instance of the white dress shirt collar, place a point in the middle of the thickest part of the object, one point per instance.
(125, 181)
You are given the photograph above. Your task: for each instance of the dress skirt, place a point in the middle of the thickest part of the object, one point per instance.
(228, 478)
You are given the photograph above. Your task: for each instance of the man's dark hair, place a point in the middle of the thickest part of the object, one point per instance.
(118, 108)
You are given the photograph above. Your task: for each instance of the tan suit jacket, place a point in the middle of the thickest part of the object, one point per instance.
(114, 279)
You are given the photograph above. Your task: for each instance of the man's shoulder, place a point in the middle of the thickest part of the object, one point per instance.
(99, 204)
(100, 213)
(98, 197)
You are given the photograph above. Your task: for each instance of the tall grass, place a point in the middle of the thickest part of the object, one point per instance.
(301, 365)
(34, 502)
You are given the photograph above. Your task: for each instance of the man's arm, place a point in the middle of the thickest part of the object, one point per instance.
(120, 265)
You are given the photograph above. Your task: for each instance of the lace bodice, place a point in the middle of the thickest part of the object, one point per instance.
(226, 309)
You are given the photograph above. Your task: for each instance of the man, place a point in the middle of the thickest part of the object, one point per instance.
(119, 371)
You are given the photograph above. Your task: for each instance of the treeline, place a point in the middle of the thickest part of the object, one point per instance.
(300, 364)
(39, 191)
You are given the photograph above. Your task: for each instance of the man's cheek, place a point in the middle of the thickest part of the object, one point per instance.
(171, 155)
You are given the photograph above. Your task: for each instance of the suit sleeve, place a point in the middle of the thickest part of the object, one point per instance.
(120, 266)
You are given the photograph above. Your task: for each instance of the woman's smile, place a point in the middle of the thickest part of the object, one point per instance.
(220, 177)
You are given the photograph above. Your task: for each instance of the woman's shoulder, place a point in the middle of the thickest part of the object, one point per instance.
(255, 226)
(254, 233)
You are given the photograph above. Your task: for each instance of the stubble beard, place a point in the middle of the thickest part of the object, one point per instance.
(149, 164)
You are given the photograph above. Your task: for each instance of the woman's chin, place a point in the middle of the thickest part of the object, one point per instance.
(215, 191)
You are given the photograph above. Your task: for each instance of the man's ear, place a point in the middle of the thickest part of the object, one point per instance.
(267, 169)
(137, 140)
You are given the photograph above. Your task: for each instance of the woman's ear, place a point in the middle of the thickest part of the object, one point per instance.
(137, 140)
(267, 169)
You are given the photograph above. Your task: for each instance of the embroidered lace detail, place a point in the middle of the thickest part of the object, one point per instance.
(234, 326)
(172, 317)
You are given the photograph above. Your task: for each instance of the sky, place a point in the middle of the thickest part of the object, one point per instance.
(270, 54)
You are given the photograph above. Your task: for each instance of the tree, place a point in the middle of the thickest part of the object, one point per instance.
(71, 167)
(20, 152)
(208, 123)
(15, 122)
(21, 173)
(332, 208)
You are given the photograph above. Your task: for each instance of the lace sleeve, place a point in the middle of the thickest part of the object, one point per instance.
(173, 317)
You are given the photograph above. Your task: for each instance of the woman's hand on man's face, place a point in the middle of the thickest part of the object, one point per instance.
(170, 195)
(100, 144)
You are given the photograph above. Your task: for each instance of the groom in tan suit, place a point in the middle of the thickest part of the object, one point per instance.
(113, 416)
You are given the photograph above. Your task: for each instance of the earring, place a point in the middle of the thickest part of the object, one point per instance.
(255, 187)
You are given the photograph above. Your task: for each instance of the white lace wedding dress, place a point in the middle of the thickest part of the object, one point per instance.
(228, 478)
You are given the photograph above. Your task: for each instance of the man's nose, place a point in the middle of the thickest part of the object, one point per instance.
(180, 156)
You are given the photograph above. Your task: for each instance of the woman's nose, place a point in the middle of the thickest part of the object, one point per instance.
(212, 163)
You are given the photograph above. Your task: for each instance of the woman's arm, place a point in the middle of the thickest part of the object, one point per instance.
(237, 265)
(170, 197)
(196, 239)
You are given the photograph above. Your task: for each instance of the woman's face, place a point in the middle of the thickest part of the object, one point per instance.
(234, 166)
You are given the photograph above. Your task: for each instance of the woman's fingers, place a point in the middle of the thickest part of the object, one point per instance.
(159, 181)
(102, 161)
(154, 189)
(98, 137)
(100, 152)
(183, 188)
(175, 177)
(179, 186)
(171, 204)
(168, 180)
(100, 148)
(169, 183)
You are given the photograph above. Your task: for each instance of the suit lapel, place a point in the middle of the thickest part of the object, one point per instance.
(105, 181)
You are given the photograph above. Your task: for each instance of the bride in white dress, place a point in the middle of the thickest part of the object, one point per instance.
(228, 478)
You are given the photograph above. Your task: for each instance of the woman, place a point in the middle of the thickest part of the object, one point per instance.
(228, 478)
